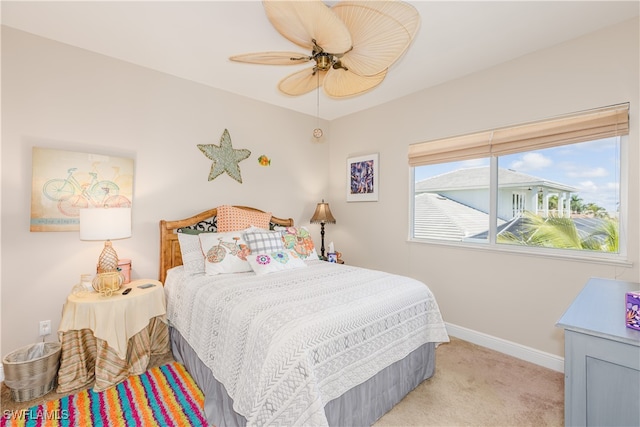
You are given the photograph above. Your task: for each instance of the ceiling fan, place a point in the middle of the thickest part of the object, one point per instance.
(352, 43)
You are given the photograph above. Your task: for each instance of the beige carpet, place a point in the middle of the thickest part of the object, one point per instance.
(473, 386)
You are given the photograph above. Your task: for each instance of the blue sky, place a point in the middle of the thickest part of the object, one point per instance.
(593, 167)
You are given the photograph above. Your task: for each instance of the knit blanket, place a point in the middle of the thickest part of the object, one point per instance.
(284, 344)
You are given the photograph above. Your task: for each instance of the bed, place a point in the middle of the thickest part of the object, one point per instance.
(327, 344)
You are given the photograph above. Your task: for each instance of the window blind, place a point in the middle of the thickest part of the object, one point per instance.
(568, 129)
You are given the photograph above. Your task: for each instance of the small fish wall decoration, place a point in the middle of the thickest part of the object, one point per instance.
(264, 160)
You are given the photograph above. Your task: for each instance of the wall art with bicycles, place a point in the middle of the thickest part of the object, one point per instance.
(66, 181)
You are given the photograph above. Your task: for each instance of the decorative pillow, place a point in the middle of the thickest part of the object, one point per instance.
(192, 256)
(299, 240)
(230, 218)
(224, 252)
(270, 262)
(263, 241)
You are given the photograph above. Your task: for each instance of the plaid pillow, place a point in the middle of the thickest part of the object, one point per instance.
(263, 241)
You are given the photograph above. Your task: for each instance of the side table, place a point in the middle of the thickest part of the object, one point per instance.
(106, 339)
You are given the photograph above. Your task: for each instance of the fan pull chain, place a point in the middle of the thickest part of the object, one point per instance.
(317, 132)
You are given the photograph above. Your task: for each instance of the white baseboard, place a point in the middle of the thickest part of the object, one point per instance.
(520, 351)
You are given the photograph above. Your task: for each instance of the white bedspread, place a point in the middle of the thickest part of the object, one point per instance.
(286, 343)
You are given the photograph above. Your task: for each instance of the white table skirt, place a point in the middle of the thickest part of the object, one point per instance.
(116, 318)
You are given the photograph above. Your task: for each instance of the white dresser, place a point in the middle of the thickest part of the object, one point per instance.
(602, 357)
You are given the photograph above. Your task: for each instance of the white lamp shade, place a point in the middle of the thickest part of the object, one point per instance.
(105, 223)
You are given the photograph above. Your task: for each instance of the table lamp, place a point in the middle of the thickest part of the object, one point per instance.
(322, 215)
(106, 224)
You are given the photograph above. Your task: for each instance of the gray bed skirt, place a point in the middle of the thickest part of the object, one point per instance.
(362, 405)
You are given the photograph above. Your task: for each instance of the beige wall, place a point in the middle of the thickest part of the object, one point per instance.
(57, 96)
(517, 298)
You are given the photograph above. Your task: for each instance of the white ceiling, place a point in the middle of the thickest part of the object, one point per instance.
(194, 40)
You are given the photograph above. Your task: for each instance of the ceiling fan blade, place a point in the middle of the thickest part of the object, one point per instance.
(381, 32)
(272, 58)
(302, 21)
(301, 82)
(341, 83)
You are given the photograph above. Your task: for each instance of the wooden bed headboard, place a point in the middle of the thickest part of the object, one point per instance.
(170, 255)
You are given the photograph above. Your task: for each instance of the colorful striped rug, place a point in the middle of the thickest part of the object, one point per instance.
(162, 396)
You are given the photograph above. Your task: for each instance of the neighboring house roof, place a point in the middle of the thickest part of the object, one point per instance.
(438, 217)
(478, 177)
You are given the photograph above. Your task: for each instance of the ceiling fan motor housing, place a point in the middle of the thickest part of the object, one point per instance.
(324, 61)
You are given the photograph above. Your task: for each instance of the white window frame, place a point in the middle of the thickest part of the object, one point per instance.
(620, 258)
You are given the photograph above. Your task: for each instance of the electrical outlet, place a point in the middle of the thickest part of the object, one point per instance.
(45, 327)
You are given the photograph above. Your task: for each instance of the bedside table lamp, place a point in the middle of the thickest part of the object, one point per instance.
(106, 224)
(322, 215)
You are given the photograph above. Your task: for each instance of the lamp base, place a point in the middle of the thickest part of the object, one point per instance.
(322, 257)
(108, 260)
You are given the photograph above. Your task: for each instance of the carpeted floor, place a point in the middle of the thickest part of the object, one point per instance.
(472, 386)
(475, 386)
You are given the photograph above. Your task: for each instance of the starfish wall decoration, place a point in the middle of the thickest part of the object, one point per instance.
(225, 157)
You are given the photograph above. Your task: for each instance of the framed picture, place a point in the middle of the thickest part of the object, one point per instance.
(362, 178)
(64, 182)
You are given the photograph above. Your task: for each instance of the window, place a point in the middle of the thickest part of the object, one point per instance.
(553, 184)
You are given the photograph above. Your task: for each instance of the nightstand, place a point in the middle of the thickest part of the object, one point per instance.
(107, 339)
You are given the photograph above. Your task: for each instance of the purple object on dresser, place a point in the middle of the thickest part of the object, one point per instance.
(632, 300)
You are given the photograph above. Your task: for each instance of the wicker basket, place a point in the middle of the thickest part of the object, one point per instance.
(31, 371)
